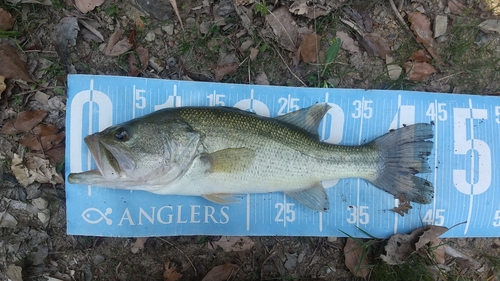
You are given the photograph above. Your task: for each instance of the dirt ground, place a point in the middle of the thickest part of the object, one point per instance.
(231, 41)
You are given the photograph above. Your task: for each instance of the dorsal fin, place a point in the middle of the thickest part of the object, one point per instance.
(306, 118)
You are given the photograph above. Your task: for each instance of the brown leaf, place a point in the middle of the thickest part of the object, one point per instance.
(456, 7)
(221, 272)
(87, 5)
(137, 66)
(12, 66)
(261, 79)
(356, 261)
(56, 153)
(234, 243)
(6, 20)
(438, 251)
(421, 27)
(402, 246)
(421, 56)
(115, 47)
(170, 273)
(418, 71)
(309, 47)
(23, 122)
(347, 42)
(428, 234)
(375, 45)
(404, 205)
(139, 245)
(311, 11)
(226, 69)
(34, 168)
(284, 28)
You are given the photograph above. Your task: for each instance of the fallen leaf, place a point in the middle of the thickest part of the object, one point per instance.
(23, 122)
(221, 272)
(375, 45)
(261, 79)
(170, 273)
(42, 142)
(137, 66)
(347, 42)
(56, 153)
(86, 6)
(421, 56)
(418, 71)
(65, 32)
(284, 28)
(309, 48)
(310, 10)
(3, 86)
(13, 67)
(490, 25)
(226, 69)
(115, 46)
(6, 20)
(34, 168)
(234, 243)
(438, 250)
(356, 258)
(402, 246)
(421, 27)
(456, 7)
(139, 244)
(92, 26)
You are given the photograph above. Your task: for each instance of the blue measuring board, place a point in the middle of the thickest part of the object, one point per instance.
(466, 147)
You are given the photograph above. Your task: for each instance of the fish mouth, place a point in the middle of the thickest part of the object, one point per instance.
(105, 160)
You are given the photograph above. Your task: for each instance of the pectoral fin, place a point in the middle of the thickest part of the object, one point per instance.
(230, 160)
(221, 198)
(314, 197)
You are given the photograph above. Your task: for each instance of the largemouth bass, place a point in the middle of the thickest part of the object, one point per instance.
(220, 152)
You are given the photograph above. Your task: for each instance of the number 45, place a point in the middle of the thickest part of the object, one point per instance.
(432, 218)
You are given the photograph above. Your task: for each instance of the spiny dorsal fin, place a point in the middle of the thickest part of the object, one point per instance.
(306, 118)
(230, 160)
(314, 197)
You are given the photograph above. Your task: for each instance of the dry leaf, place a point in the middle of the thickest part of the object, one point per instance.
(56, 153)
(139, 245)
(261, 79)
(6, 20)
(490, 25)
(401, 246)
(3, 86)
(375, 45)
(309, 48)
(421, 56)
(135, 66)
(221, 272)
(226, 69)
(115, 47)
(34, 168)
(86, 6)
(418, 71)
(23, 122)
(438, 251)
(234, 243)
(404, 205)
(170, 273)
(65, 32)
(284, 28)
(357, 264)
(42, 141)
(347, 42)
(421, 27)
(12, 66)
(456, 7)
(301, 7)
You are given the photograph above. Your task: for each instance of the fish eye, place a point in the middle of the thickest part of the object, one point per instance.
(121, 134)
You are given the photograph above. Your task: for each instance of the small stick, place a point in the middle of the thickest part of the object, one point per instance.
(171, 244)
(284, 62)
(398, 15)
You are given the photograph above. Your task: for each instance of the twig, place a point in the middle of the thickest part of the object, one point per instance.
(284, 62)
(171, 244)
(398, 15)
(263, 263)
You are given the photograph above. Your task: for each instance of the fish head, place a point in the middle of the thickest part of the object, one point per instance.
(138, 153)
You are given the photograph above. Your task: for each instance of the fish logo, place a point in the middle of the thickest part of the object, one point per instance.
(88, 217)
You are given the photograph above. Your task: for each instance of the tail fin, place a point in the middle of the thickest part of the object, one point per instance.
(404, 153)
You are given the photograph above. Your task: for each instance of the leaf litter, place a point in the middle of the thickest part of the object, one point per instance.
(356, 258)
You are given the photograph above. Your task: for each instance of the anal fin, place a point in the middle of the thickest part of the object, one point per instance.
(221, 198)
(314, 197)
